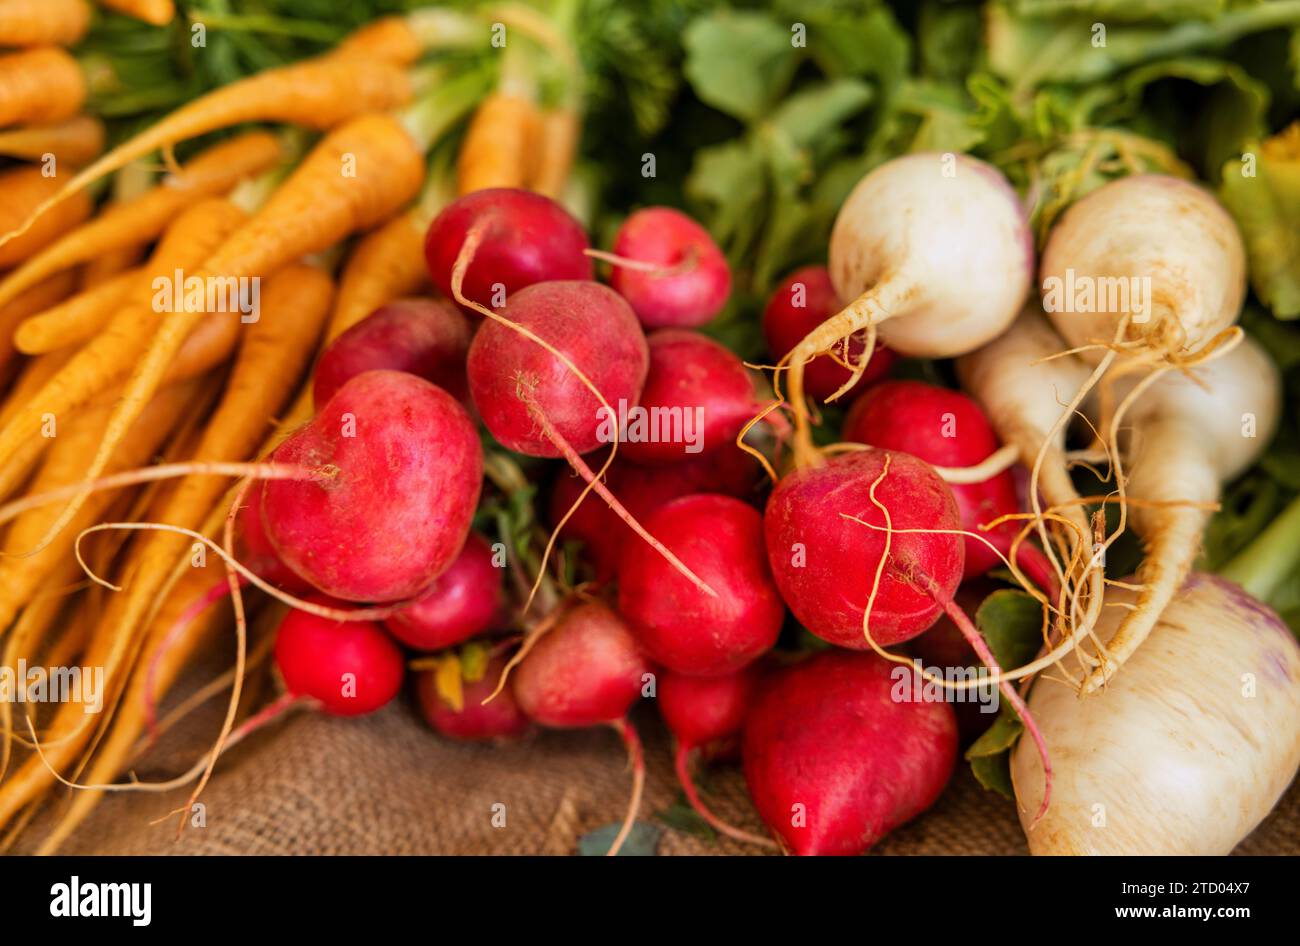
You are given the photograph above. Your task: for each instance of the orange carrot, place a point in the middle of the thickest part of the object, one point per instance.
(43, 22)
(560, 129)
(21, 191)
(112, 353)
(386, 264)
(74, 142)
(40, 86)
(37, 299)
(110, 265)
(497, 144)
(390, 39)
(139, 221)
(74, 320)
(153, 12)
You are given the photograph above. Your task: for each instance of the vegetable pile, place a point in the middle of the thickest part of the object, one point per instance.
(944, 404)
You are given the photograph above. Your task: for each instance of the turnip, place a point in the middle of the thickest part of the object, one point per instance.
(407, 468)
(1187, 749)
(588, 671)
(523, 238)
(426, 337)
(463, 601)
(1190, 433)
(706, 714)
(802, 301)
(936, 251)
(698, 397)
(947, 429)
(721, 540)
(474, 720)
(834, 760)
(668, 267)
(348, 667)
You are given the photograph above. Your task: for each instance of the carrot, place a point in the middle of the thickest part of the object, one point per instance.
(559, 132)
(153, 12)
(390, 39)
(75, 141)
(386, 264)
(24, 189)
(38, 298)
(296, 303)
(40, 86)
(74, 320)
(110, 355)
(497, 143)
(110, 265)
(13, 473)
(138, 221)
(43, 22)
(317, 93)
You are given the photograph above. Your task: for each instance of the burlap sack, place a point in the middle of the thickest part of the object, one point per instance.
(387, 785)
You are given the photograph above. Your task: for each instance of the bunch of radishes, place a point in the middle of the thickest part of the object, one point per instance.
(690, 570)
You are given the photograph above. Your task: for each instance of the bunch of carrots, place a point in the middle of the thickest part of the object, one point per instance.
(318, 179)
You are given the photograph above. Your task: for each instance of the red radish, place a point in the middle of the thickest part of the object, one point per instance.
(721, 540)
(697, 398)
(588, 671)
(527, 239)
(803, 301)
(515, 382)
(684, 279)
(825, 564)
(948, 429)
(643, 489)
(497, 720)
(350, 667)
(706, 713)
(462, 601)
(427, 337)
(834, 761)
(407, 468)
(257, 553)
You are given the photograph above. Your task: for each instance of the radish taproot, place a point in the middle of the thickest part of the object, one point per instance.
(348, 667)
(426, 337)
(669, 269)
(496, 720)
(406, 468)
(935, 253)
(721, 540)
(524, 238)
(835, 761)
(707, 714)
(588, 671)
(463, 601)
(1186, 750)
(804, 300)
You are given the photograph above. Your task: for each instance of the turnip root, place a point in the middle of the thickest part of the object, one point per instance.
(834, 760)
(1190, 434)
(936, 251)
(1187, 749)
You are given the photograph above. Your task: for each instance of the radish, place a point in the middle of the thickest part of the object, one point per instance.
(463, 601)
(1167, 231)
(948, 429)
(348, 667)
(798, 305)
(707, 713)
(1185, 751)
(257, 552)
(1190, 434)
(936, 251)
(525, 239)
(826, 565)
(698, 397)
(834, 761)
(668, 267)
(721, 540)
(475, 721)
(588, 671)
(426, 337)
(643, 489)
(406, 470)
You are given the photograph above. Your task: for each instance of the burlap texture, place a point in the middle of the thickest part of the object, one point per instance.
(387, 785)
